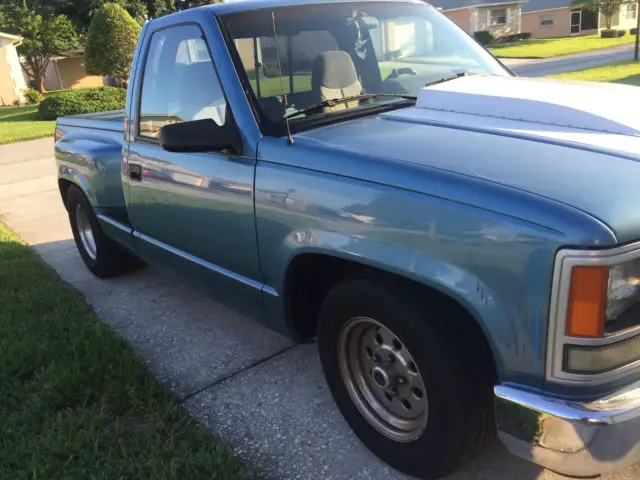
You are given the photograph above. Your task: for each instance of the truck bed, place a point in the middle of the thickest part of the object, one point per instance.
(112, 120)
(89, 153)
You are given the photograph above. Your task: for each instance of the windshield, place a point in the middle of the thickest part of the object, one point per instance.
(332, 51)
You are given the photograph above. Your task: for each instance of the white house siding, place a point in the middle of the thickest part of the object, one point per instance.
(12, 82)
(480, 20)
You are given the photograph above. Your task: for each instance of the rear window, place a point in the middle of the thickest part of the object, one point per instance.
(259, 58)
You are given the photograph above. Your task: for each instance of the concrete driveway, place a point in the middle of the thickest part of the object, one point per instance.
(258, 392)
(569, 63)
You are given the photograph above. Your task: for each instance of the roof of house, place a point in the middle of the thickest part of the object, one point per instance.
(537, 5)
(14, 38)
(459, 4)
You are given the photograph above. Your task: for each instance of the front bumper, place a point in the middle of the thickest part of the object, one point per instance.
(573, 438)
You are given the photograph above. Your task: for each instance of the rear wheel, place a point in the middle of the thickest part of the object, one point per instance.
(102, 256)
(401, 378)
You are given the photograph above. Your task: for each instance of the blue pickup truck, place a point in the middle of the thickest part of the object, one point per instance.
(463, 244)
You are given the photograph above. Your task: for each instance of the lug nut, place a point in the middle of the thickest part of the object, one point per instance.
(402, 380)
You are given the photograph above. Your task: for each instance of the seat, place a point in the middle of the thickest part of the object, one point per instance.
(334, 76)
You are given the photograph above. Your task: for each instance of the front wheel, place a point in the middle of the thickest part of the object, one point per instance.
(400, 378)
(102, 256)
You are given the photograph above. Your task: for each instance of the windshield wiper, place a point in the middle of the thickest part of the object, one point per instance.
(446, 78)
(338, 101)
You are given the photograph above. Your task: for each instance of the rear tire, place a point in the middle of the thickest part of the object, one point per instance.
(102, 256)
(373, 322)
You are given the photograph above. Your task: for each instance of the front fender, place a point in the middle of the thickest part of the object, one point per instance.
(471, 292)
(497, 267)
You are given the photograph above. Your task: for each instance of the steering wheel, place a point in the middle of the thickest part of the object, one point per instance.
(396, 72)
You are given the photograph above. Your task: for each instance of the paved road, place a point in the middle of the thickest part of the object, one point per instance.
(569, 63)
(256, 390)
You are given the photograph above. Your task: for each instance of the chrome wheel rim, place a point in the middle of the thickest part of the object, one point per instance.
(85, 232)
(383, 379)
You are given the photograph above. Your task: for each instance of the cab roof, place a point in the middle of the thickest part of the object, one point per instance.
(238, 6)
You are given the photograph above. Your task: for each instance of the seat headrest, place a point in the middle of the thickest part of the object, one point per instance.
(333, 69)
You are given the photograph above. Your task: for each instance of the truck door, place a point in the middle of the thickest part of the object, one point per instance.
(190, 211)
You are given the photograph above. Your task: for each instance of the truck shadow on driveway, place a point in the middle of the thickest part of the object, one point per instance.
(260, 393)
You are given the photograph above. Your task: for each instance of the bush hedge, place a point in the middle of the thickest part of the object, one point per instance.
(32, 96)
(514, 37)
(611, 33)
(85, 100)
(483, 37)
(633, 31)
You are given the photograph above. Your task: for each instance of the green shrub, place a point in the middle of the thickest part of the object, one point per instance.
(85, 100)
(111, 41)
(32, 96)
(50, 93)
(611, 33)
(483, 37)
(633, 31)
(514, 37)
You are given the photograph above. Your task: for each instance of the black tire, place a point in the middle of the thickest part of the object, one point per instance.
(459, 401)
(108, 259)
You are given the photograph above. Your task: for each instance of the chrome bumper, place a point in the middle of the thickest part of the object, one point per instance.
(573, 438)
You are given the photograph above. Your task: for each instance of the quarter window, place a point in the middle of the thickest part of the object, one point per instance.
(497, 16)
(180, 83)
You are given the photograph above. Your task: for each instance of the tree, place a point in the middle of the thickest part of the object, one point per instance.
(43, 36)
(608, 8)
(81, 12)
(111, 42)
(184, 4)
(158, 8)
(636, 53)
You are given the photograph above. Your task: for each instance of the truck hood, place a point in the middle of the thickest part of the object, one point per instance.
(577, 143)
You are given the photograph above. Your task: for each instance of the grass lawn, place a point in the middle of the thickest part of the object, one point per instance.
(22, 123)
(623, 72)
(273, 86)
(553, 47)
(75, 401)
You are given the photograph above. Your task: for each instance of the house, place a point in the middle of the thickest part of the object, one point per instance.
(66, 71)
(12, 82)
(558, 18)
(500, 18)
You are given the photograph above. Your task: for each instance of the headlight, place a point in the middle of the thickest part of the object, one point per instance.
(624, 289)
(595, 315)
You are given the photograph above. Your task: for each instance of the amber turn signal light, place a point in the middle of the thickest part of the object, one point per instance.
(587, 302)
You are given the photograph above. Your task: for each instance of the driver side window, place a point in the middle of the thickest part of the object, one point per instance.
(180, 83)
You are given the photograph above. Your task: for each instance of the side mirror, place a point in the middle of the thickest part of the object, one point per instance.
(201, 136)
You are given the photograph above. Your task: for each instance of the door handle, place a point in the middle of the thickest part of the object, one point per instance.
(135, 172)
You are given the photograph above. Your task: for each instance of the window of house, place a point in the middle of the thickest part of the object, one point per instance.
(180, 83)
(546, 20)
(497, 16)
(632, 9)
